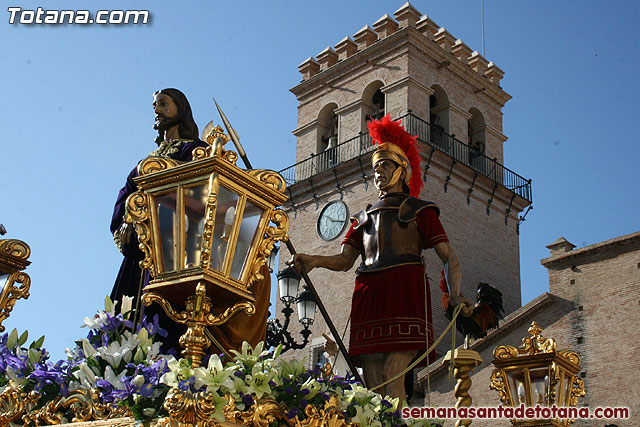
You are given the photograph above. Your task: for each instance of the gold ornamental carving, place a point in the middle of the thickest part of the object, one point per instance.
(84, 405)
(198, 317)
(12, 293)
(137, 213)
(274, 234)
(535, 344)
(154, 164)
(15, 283)
(499, 383)
(15, 253)
(536, 373)
(270, 178)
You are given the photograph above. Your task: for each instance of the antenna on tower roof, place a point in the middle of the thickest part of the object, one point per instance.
(482, 4)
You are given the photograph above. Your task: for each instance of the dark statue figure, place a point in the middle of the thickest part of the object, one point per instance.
(177, 138)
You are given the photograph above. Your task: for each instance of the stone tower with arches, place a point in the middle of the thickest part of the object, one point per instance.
(450, 97)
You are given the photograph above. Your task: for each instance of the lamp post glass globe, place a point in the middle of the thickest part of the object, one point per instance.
(306, 307)
(288, 281)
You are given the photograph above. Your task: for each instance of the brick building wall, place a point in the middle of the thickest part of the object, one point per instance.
(591, 309)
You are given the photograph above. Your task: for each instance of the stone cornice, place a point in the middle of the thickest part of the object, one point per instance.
(349, 107)
(495, 132)
(305, 128)
(407, 80)
(581, 254)
(391, 43)
(459, 111)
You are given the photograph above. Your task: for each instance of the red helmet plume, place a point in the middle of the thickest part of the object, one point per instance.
(386, 130)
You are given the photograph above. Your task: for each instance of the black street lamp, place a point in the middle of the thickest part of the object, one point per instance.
(277, 333)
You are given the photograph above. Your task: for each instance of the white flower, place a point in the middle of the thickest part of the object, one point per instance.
(110, 376)
(88, 349)
(366, 416)
(125, 307)
(213, 376)
(96, 321)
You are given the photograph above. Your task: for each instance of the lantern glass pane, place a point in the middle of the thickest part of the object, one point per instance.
(246, 237)
(539, 386)
(195, 202)
(3, 278)
(516, 384)
(226, 209)
(167, 222)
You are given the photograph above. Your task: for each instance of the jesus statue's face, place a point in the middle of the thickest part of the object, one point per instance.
(166, 111)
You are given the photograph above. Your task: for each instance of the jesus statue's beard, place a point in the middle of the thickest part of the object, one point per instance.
(166, 123)
(162, 125)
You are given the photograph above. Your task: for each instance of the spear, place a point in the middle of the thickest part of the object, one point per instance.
(243, 155)
(234, 137)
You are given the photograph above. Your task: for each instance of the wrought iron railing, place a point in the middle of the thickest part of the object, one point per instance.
(432, 136)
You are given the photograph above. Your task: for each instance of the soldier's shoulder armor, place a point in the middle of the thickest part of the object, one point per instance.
(361, 218)
(411, 206)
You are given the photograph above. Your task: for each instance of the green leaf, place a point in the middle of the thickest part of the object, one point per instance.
(12, 341)
(23, 338)
(34, 356)
(37, 343)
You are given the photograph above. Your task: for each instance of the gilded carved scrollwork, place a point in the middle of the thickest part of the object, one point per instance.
(505, 352)
(149, 297)
(269, 178)
(209, 221)
(190, 408)
(262, 413)
(230, 156)
(571, 356)
(247, 307)
(83, 405)
(155, 164)
(15, 248)
(13, 405)
(137, 213)
(273, 234)
(577, 390)
(535, 344)
(329, 416)
(499, 383)
(12, 293)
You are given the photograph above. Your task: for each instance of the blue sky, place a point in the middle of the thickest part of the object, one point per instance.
(76, 109)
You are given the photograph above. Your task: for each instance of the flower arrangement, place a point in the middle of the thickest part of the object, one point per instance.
(123, 365)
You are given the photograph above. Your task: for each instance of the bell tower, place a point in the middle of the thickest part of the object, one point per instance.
(409, 67)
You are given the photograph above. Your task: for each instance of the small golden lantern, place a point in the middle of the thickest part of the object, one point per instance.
(14, 255)
(536, 374)
(206, 227)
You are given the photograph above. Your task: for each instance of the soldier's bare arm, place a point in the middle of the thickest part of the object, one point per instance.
(454, 277)
(340, 262)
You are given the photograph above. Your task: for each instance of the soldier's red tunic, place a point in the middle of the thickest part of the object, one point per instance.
(388, 306)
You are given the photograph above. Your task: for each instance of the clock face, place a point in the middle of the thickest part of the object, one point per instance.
(332, 220)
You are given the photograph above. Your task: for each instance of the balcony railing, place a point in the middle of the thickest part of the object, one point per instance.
(430, 135)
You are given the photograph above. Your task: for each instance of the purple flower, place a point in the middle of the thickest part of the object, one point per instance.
(248, 400)
(292, 413)
(153, 327)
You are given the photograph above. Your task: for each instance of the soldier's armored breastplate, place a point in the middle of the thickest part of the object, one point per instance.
(387, 240)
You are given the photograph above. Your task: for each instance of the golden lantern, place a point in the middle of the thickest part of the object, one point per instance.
(537, 374)
(206, 228)
(14, 255)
